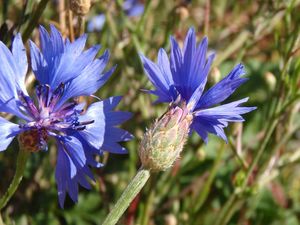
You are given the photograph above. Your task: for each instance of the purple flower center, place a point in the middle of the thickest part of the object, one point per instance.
(46, 119)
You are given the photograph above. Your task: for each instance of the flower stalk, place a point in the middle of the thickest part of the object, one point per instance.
(133, 188)
(20, 168)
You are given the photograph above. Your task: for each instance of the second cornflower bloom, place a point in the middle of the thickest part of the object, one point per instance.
(181, 81)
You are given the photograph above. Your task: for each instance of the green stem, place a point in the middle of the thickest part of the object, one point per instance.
(237, 155)
(112, 24)
(20, 168)
(34, 19)
(236, 204)
(133, 188)
(144, 17)
(228, 210)
(260, 152)
(223, 214)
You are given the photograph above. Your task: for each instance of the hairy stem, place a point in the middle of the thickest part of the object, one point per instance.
(133, 188)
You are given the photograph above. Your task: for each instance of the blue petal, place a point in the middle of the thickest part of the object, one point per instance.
(71, 168)
(60, 62)
(222, 90)
(192, 103)
(176, 61)
(38, 64)
(112, 102)
(118, 117)
(188, 56)
(9, 71)
(230, 111)
(94, 133)
(213, 120)
(200, 129)
(196, 95)
(12, 75)
(155, 75)
(52, 48)
(162, 97)
(90, 152)
(57, 41)
(160, 77)
(68, 66)
(87, 156)
(73, 148)
(198, 63)
(103, 129)
(62, 174)
(8, 132)
(118, 134)
(114, 148)
(20, 57)
(73, 189)
(195, 65)
(164, 65)
(45, 41)
(186, 72)
(89, 80)
(204, 125)
(77, 46)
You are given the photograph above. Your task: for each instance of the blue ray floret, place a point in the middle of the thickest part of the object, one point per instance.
(181, 79)
(64, 71)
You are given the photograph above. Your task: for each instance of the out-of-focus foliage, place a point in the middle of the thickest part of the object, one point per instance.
(254, 179)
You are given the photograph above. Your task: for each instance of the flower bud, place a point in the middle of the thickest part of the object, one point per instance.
(80, 7)
(163, 142)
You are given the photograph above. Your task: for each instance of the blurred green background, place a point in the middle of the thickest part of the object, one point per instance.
(209, 183)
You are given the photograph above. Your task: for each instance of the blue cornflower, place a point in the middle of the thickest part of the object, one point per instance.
(64, 71)
(182, 79)
(96, 23)
(131, 8)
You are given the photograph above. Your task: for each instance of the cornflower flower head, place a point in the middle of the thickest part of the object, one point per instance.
(64, 71)
(131, 8)
(180, 81)
(96, 23)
